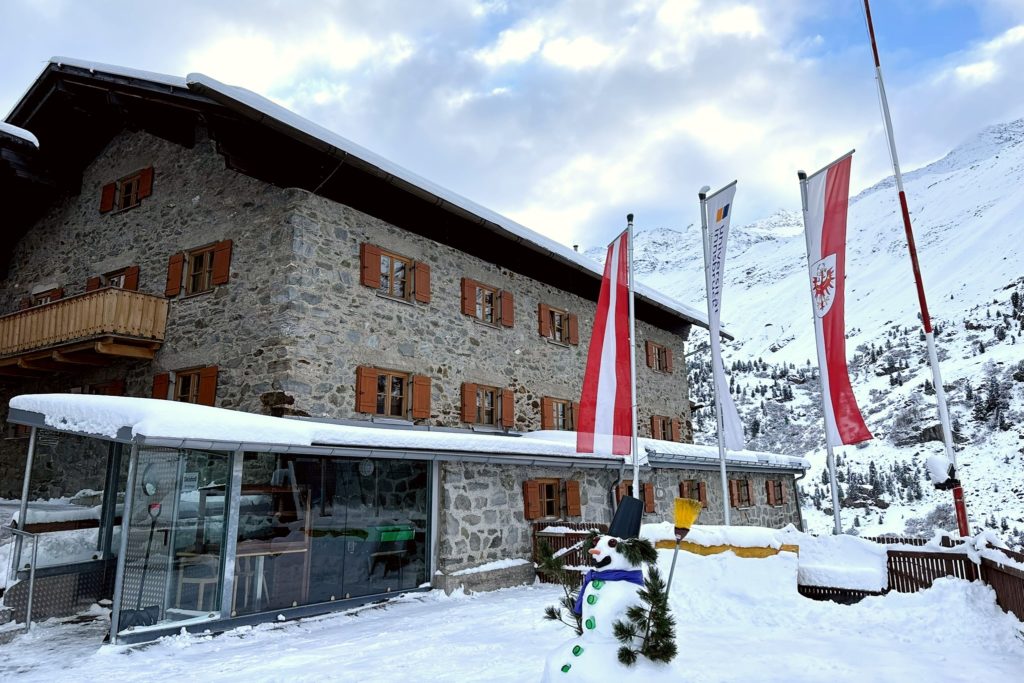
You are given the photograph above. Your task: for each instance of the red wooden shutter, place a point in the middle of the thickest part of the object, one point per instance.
(369, 265)
(531, 499)
(420, 397)
(574, 329)
(676, 436)
(131, 279)
(468, 402)
(572, 498)
(702, 493)
(145, 182)
(668, 359)
(625, 488)
(161, 384)
(93, 283)
(544, 320)
(366, 389)
(684, 489)
(175, 266)
(421, 282)
(654, 427)
(734, 493)
(468, 296)
(769, 493)
(508, 409)
(207, 386)
(547, 413)
(57, 293)
(650, 354)
(107, 197)
(750, 487)
(648, 494)
(575, 413)
(783, 501)
(221, 263)
(508, 309)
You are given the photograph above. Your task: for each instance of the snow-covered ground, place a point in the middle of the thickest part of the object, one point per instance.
(738, 620)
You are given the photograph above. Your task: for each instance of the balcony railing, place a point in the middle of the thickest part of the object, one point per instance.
(88, 329)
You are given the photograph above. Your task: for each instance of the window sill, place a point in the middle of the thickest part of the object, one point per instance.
(555, 342)
(397, 299)
(478, 321)
(488, 429)
(127, 208)
(195, 294)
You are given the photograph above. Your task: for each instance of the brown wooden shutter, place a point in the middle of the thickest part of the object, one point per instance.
(650, 354)
(131, 279)
(547, 413)
(420, 397)
(625, 488)
(115, 388)
(769, 491)
(575, 413)
(684, 489)
(508, 308)
(421, 282)
(574, 329)
(93, 283)
(175, 266)
(24, 302)
(369, 265)
(654, 427)
(734, 493)
(750, 487)
(366, 389)
(57, 293)
(531, 499)
(207, 386)
(508, 409)
(107, 197)
(783, 501)
(572, 498)
(221, 263)
(702, 493)
(468, 402)
(161, 384)
(145, 182)
(676, 434)
(468, 296)
(668, 359)
(544, 320)
(648, 494)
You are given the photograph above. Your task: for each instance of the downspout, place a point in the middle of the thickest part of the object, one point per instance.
(796, 498)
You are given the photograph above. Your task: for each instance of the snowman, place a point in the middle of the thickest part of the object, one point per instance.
(608, 591)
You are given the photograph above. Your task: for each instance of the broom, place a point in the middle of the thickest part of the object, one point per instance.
(687, 510)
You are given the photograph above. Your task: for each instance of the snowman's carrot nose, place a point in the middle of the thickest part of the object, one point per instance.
(594, 551)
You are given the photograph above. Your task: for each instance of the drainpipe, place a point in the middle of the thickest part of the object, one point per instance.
(796, 497)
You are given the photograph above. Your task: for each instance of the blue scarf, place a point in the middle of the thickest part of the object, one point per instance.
(632, 575)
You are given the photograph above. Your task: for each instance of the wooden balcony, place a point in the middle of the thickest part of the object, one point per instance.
(91, 329)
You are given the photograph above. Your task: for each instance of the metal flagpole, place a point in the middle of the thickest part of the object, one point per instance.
(831, 461)
(703, 196)
(940, 393)
(632, 358)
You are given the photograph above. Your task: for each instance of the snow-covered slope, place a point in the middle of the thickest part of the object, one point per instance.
(968, 215)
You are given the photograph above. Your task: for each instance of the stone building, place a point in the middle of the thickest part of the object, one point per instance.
(190, 241)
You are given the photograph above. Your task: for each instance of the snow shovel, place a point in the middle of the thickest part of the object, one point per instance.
(149, 615)
(687, 510)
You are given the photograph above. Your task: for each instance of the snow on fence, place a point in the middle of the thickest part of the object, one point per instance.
(561, 538)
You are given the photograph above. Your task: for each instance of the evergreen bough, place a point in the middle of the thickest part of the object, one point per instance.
(649, 629)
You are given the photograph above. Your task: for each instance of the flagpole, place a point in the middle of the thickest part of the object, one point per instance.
(831, 460)
(940, 393)
(703, 196)
(632, 358)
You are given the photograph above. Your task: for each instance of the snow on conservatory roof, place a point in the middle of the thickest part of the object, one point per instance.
(169, 423)
(264, 110)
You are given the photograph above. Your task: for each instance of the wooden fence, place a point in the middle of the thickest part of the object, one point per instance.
(567, 535)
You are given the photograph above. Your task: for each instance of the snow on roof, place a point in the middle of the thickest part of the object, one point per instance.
(127, 72)
(19, 133)
(105, 416)
(268, 108)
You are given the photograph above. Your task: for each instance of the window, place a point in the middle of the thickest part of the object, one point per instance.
(697, 490)
(393, 275)
(199, 276)
(776, 492)
(647, 495)
(557, 413)
(190, 385)
(487, 405)
(741, 493)
(661, 428)
(659, 357)
(557, 325)
(48, 296)
(128, 192)
(487, 304)
(394, 272)
(392, 392)
(543, 498)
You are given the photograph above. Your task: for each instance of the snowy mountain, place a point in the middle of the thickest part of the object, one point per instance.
(968, 215)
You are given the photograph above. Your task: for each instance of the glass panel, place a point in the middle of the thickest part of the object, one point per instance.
(385, 274)
(399, 288)
(382, 394)
(397, 395)
(175, 538)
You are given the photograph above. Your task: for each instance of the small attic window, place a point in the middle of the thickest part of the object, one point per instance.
(128, 192)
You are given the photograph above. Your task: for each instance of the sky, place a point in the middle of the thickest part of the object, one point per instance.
(567, 115)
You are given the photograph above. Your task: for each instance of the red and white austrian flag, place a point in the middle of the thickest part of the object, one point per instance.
(605, 422)
(827, 199)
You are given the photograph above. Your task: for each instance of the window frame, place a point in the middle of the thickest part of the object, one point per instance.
(193, 390)
(744, 493)
(133, 196)
(407, 280)
(480, 292)
(694, 491)
(777, 494)
(549, 495)
(565, 425)
(389, 375)
(206, 275)
(47, 297)
(495, 393)
(115, 279)
(664, 427)
(559, 332)
(660, 357)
